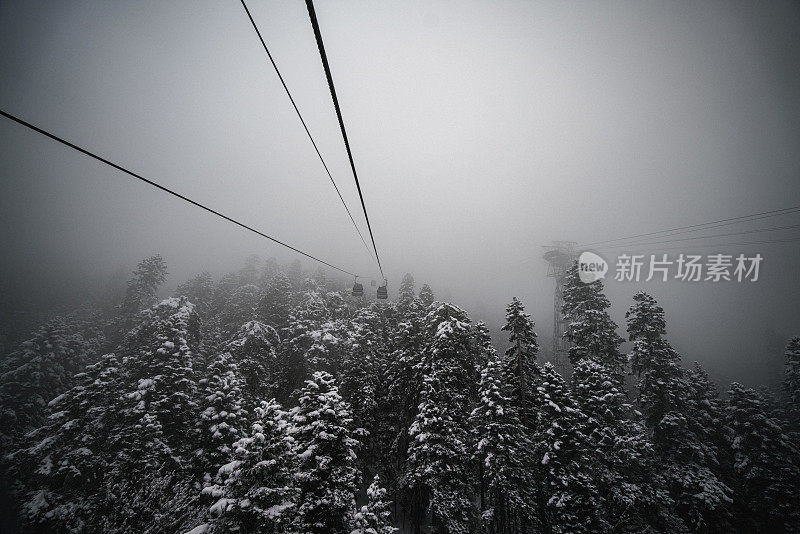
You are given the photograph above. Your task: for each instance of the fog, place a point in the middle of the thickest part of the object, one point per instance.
(481, 132)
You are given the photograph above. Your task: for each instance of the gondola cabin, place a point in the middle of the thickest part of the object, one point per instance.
(383, 294)
(358, 290)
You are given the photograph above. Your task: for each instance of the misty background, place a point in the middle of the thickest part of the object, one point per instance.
(481, 131)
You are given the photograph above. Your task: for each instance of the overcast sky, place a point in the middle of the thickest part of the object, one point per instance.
(481, 131)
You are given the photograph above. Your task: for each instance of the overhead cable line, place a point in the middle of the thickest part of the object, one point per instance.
(308, 132)
(703, 226)
(313, 15)
(166, 190)
(687, 247)
(755, 231)
(696, 246)
(670, 233)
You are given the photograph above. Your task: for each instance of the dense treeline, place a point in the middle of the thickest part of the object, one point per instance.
(273, 401)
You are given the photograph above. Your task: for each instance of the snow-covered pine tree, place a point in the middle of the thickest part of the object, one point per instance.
(405, 368)
(678, 408)
(249, 273)
(295, 273)
(223, 418)
(239, 309)
(158, 360)
(268, 271)
(503, 454)
(254, 351)
(708, 422)
(155, 432)
(224, 289)
(276, 304)
(362, 369)
(337, 306)
(765, 464)
(519, 362)
(257, 492)
(403, 372)
(590, 330)
(142, 289)
(376, 333)
(426, 295)
(199, 290)
(566, 496)
(59, 472)
(646, 326)
(438, 452)
(329, 345)
(437, 461)
(791, 381)
(482, 352)
(619, 448)
(305, 324)
(326, 474)
(662, 385)
(321, 278)
(405, 295)
(374, 517)
(453, 346)
(40, 369)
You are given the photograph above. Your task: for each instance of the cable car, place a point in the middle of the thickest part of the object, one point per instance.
(382, 292)
(358, 289)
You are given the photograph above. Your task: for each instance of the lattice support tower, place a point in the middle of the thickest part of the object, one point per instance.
(560, 256)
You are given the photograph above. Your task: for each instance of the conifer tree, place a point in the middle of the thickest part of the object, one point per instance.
(199, 290)
(708, 421)
(268, 272)
(661, 378)
(159, 383)
(646, 326)
(276, 304)
(257, 492)
(566, 495)
(619, 448)
(60, 469)
(254, 352)
(679, 408)
(482, 352)
(503, 454)
(326, 475)
(240, 308)
(519, 362)
(404, 372)
(374, 517)
(765, 463)
(337, 307)
(224, 289)
(437, 459)
(590, 330)
(438, 453)
(223, 418)
(362, 371)
(40, 369)
(791, 379)
(142, 288)
(328, 347)
(295, 273)
(305, 325)
(249, 274)
(320, 278)
(405, 295)
(426, 295)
